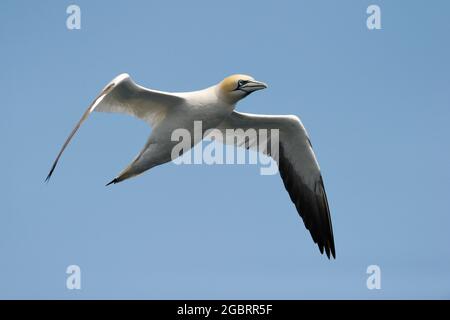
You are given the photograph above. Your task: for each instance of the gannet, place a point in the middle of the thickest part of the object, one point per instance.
(214, 106)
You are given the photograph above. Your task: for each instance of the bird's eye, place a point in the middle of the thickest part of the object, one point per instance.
(240, 83)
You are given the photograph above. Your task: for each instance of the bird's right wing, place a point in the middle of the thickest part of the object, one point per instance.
(297, 164)
(122, 95)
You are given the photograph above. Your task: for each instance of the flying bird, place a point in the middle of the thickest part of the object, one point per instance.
(214, 106)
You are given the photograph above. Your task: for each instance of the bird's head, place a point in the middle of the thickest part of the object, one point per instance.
(238, 86)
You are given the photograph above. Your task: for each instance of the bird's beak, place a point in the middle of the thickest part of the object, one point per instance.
(253, 85)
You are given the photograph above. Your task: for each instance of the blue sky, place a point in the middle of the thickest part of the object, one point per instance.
(376, 105)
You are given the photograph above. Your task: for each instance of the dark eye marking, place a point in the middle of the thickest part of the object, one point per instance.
(242, 82)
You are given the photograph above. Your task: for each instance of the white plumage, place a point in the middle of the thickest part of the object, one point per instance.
(214, 107)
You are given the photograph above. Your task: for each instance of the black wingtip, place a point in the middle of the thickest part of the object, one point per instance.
(333, 251)
(114, 181)
(320, 248)
(329, 250)
(49, 176)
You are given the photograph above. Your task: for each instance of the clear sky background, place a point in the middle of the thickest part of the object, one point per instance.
(376, 105)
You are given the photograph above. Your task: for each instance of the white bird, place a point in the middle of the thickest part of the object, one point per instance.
(214, 106)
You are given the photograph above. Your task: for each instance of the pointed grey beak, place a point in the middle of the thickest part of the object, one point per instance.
(253, 85)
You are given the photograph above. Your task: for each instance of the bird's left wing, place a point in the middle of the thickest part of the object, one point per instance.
(122, 95)
(298, 168)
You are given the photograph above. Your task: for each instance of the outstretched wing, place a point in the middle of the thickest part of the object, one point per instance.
(298, 168)
(122, 95)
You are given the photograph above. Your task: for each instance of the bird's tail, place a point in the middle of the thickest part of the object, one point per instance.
(128, 173)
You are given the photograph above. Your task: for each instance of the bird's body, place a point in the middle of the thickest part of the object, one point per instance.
(214, 108)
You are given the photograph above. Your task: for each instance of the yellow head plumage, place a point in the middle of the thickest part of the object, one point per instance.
(231, 83)
(238, 86)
